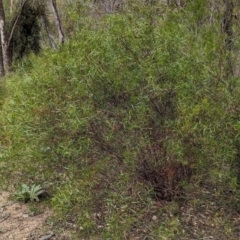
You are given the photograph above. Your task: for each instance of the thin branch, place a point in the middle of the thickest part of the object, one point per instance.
(15, 24)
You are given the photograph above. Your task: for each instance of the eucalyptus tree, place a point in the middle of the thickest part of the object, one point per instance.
(5, 58)
(23, 35)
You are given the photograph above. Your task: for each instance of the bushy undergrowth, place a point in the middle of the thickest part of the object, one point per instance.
(125, 114)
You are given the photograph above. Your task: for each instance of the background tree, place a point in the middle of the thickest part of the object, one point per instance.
(227, 28)
(57, 21)
(21, 33)
(25, 34)
(6, 59)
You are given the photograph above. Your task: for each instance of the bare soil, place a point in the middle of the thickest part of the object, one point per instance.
(17, 222)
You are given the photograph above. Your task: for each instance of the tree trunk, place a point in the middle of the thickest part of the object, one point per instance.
(11, 6)
(57, 21)
(2, 72)
(227, 24)
(50, 37)
(227, 28)
(4, 40)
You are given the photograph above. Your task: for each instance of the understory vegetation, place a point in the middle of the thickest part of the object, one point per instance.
(131, 123)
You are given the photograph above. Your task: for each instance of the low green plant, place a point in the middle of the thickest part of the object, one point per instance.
(27, 193)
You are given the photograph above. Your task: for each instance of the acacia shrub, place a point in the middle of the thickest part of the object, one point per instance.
(123, 112)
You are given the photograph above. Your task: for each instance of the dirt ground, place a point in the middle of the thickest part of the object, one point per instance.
(18, 222)
(206, 220)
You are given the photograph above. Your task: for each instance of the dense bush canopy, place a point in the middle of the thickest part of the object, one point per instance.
(133, 109)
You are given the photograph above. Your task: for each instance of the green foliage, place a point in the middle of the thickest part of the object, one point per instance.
(27, 193)
(124, 114)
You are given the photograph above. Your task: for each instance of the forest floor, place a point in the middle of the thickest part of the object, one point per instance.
(205, 218)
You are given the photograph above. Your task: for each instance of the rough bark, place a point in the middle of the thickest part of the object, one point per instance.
(57, 21)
